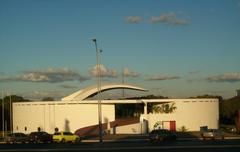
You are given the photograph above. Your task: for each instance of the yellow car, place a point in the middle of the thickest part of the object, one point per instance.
(65, 136)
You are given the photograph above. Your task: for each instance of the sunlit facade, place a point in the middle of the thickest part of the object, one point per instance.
(75, 112)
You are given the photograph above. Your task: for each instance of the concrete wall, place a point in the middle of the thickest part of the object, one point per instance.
(68, 116)
(137, 128)
(190, 113)
(127, 129)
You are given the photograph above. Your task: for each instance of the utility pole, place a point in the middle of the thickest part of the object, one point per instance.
(123, 93)
(99, 91)
(10, 109)
(3, 126)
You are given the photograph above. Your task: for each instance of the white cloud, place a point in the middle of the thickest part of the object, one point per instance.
(50, 75)
(133, 19)
(227, 77)
(162, 77)
(39, 95)
(128, 73)
(168, 18)
(104, 71)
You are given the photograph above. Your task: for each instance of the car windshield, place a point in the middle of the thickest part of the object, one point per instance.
(18, 134)
(10, 135)
(67, 133)
(44, 133)
(57, 133)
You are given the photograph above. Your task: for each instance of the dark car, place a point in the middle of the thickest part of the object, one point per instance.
(16, 137)
(162, 135)
(39, 137)
(213, 134)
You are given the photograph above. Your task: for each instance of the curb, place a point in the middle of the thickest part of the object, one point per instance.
(144, 139)
(114, 140)
(135, 140)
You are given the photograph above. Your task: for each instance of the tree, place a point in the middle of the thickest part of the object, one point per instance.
(220, 98)
(48, 99)
(7, 100)
(228, 110)
(237, 120)
(149, 97)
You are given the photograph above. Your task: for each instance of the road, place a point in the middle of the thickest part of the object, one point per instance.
(140, 146)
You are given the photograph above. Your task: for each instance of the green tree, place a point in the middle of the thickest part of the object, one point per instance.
(228, 110)
(6, 101)
(48, 99)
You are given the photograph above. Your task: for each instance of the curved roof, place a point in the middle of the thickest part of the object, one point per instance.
(90, 91)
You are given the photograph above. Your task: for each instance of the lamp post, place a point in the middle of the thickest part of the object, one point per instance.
(2, 115)
(99, 91)
(11, 113)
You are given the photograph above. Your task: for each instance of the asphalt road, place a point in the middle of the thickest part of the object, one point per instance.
(133, 146)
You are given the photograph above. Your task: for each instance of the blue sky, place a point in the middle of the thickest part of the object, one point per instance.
(173, 48)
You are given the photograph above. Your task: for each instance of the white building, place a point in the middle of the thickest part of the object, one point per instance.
(76, 113)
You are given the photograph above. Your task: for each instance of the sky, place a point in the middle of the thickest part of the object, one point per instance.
(172, 48)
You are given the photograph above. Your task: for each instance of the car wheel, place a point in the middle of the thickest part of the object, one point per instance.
(77, 140)
(63, 140)
(160, 138)
(38, 141)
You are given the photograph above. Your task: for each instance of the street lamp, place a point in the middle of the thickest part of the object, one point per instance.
(99, 91)
(3, 123)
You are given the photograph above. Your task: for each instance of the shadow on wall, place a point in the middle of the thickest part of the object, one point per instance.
(107, 127)
(90, 131)
(67, 126)
(93, 130)
(145, 127)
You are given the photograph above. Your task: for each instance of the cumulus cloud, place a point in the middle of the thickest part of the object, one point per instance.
(162, 77)
(128, 73)
(227, 77)
(39, 95)
(168, 18)
(133, 19)
(50, 75)
(104, 71)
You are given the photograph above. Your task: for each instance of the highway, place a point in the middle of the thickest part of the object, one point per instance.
(168, 146)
